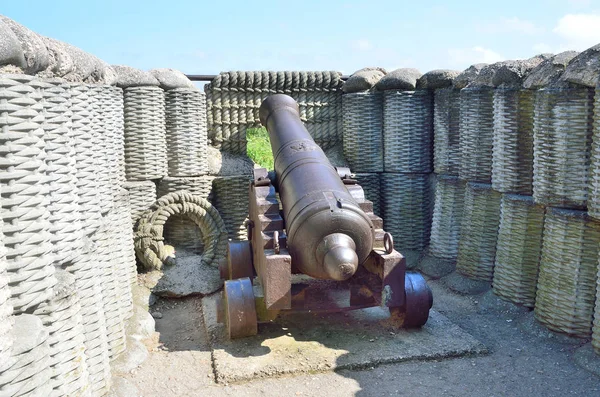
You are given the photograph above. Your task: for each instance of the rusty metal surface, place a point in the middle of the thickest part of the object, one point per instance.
(239, 260)
(240, 311)
(419, 300)
(316, 203)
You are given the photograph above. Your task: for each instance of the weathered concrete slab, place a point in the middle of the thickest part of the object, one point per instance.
(305, 343)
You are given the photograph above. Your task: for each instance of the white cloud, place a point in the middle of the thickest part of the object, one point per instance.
(511, 25)
(363, 45)
(464, 57)
(580, 31)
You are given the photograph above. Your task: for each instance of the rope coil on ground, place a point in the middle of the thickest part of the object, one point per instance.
(446, 114)
(562, 137)
(476, 136)
(566, 285)
(447, 217)
(142, 194)
(518, 249)
(145, 133)
(148, 237)
(407, 131)
(407, 205)
(24, 192)
(363, 131)
(185, 111)
(478, 232)
(512, 163)
(231, 200)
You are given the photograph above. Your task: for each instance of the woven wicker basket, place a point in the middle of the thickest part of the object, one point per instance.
(478, 232)
(142, 195)
(594, 175)
(62, 318)
(446, 148)
(371, 185)
(182, 232)
(447, 217)
(567, 279)
(186, 132)
(512, 165)
(476, 134)
(116, 115)
(562, 146)
(363, 131)
(145, 133)
(518, 249)
(6, 318)
(30, 373)
(407, 205)
(24, 192)
(103, 143)
(596, 323)
(231, 200)
(200, 186)
(407, 131)
(85, 164)
(65, 222)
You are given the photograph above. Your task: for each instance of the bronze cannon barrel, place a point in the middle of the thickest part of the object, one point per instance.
(328, 235)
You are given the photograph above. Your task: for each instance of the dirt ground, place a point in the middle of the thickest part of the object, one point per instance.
(524, 360)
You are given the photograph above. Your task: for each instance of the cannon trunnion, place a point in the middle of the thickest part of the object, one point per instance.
(310, 226)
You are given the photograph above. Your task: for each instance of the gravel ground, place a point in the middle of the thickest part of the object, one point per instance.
(525, 360)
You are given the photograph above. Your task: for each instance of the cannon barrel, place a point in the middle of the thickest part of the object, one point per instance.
(328, 235)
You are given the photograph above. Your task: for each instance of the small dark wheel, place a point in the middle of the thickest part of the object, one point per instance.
(240, 310)
(419, 300)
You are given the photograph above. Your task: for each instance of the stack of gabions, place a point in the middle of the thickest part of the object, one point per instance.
(235, 97)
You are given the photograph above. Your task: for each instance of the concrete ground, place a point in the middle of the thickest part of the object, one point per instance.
(523, 359)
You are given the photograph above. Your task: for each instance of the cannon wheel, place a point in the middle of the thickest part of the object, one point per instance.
(240, 311)
(239, 261)
(419, 300)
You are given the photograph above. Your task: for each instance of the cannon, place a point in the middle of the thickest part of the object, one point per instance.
(310, 226)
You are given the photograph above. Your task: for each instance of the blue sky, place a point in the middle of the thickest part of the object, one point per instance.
(206, 37)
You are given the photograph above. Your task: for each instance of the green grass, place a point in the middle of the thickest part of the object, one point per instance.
(259, 147)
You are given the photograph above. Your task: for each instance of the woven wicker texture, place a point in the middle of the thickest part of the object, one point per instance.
(62, 318)
(181, 232)
(185, 111)
(594, 182)
(363, 130)
(407, 206)
(108, 256)
(476, 136)
(115, 114)
(88, 278)
(371, 184)
(596, 323)
(562, 140)
(148, 237)
(566, 286)
(200, 186)
(103, 143)
(142, 195)
(65, 222)
(512, 162)
(30, 373)
(447, 217)
(518, 249)
(125, 262)
(407, 131)
(446, 148)
(145, 133)
(231, 200)
(6, 318)
(233, 100)
(24, 191)
(478, 232)
(86, 166)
